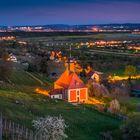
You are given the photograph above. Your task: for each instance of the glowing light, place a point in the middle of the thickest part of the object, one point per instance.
(7, 38)
(42, 91)
(119, 78)
(94, 101)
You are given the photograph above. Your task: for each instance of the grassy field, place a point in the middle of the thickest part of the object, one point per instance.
(119, 72)
(84, 123)
(133, 102)
(107, 36)
(23, 81)
(20, 77)
(43, 78)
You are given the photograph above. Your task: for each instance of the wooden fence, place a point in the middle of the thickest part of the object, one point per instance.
(12, 131)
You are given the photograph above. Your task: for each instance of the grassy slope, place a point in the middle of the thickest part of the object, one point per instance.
(43, 78)
(133, 103)
(134, 100)
(20, 77)
(84, 123)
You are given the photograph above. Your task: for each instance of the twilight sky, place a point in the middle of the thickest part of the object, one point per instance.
(38, 12)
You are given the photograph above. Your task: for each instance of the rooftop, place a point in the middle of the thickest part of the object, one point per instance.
(70, 80)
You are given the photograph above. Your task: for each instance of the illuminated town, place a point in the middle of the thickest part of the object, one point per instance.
(70, 70)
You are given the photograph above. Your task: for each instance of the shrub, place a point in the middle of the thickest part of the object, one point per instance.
(52, 128)
(114, 106)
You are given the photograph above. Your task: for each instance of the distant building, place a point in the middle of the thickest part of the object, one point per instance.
(97, 76)
(12, 58)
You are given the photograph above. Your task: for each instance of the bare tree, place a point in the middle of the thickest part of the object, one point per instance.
(5, 67)
(97, 90)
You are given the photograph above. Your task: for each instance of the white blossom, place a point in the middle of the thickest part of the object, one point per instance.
(53, 128)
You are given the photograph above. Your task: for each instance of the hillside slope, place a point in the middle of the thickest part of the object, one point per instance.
(84, 123)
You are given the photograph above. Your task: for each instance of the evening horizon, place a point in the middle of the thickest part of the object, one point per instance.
(78, 12)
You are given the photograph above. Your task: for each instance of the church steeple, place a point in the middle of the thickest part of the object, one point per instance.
(70, 61)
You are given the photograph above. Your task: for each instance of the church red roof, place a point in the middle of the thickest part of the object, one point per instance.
(70, 80)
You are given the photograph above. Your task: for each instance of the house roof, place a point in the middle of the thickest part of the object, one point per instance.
(70, 80)
(91, 73)
(56, 92)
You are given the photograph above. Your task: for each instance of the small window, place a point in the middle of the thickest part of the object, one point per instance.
(78, 92)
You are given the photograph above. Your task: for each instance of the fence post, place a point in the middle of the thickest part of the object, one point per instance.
(15, 131)
(0, 126)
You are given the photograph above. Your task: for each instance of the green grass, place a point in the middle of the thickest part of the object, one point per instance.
(90, 36)
(134, 100)
(84, 122)
(43, 78)
(119, 72)
(131, 104)
(138, 82)
(20, 77)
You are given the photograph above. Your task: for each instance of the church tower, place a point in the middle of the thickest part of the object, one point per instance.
(70, 63)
